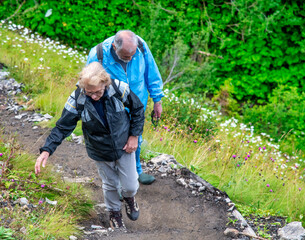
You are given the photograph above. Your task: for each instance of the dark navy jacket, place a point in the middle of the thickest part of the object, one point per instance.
(102, 143)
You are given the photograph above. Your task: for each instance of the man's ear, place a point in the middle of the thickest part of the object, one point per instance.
(113, 46)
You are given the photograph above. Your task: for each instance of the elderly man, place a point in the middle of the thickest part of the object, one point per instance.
(127, 57)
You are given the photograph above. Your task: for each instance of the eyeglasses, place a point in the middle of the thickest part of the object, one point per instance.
(97, 93)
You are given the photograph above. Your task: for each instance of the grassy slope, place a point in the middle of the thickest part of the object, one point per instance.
(231, 156)
(26, 61)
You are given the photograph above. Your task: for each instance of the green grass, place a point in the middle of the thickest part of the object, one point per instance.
(267, 181)
(233, 162)
(45, 221)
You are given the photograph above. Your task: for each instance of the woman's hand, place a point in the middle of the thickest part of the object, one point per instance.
(41, 159)
(131, 145)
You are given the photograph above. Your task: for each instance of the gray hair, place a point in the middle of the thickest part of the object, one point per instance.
(124, 35)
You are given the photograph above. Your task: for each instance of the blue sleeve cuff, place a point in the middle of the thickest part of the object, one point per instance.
(157, 99)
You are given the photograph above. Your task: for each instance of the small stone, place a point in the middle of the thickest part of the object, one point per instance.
(292, 231)
(88, 233)
(19, 116)
(162, 169)
(181, 181)
(192, 183)
(164, 162)
(231, 208)
(35, 127)
(199, 184)
(231, 232)
(103, 232)
(47, 116)
(100, 205)
(201, 189)
(72, 237)
(23, 230)
(163, 175)
(96, 227)
(161, 158)
(51, 202)
(23, 201)
(227, 200)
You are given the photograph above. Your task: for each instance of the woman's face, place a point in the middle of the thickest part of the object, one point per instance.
(95, 92)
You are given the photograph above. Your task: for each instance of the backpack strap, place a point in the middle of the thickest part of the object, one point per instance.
(79, 104)
(118, 94)
(140, 45)
(99, 52)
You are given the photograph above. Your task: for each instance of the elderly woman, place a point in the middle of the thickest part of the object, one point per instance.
(110, 133)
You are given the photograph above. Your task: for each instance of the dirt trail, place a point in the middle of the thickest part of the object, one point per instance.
(167, 210)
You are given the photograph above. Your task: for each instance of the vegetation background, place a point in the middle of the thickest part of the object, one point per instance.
(248, 54)
(243, 58)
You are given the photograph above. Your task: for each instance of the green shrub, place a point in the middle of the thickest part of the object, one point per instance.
(283, 114)
(6, 233)
(259, 45)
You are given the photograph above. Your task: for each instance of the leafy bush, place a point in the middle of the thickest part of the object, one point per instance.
(256, 44)
(284, 113)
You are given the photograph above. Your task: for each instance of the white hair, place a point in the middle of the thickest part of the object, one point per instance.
(93, 74)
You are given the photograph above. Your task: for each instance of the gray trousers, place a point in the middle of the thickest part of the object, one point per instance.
(120, 173)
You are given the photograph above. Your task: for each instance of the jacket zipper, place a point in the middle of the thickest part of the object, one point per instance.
(124, 71)
(98, 117)
(112, 142)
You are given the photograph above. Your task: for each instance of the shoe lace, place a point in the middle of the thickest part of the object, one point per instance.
(116, 218)
(131, 204)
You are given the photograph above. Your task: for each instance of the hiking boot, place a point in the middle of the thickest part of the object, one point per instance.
(132, 209)
(146, 179)
(116, 221)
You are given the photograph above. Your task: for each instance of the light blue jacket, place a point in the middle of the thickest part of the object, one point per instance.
(140, 82)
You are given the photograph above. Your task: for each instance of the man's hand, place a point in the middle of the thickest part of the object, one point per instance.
(131, 145)
(41, 159)
(158, 109)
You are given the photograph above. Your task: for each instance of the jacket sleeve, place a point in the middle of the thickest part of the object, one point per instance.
(152, 75)
(64, 126)
(136, 111)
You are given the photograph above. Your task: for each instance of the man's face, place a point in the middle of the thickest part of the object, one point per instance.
(124, 54)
